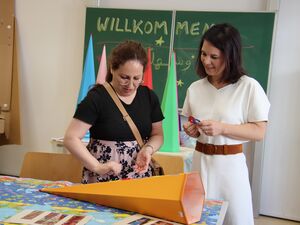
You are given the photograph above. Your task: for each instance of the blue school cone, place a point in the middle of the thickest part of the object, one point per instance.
(170, 109)
(88, 76)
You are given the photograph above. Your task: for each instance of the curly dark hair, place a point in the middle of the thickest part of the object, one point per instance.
(125, 51)
(227, 39)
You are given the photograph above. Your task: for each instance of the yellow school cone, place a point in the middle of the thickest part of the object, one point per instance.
(178, 198)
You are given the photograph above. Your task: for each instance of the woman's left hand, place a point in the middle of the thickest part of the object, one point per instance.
(142, 160)
(210, 127)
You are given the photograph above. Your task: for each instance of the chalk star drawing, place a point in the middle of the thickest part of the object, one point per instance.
(180, 83)
(159, 41)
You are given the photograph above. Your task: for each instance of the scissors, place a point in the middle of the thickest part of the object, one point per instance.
(193, 120)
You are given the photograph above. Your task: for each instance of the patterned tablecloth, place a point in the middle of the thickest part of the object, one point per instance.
(17, 194)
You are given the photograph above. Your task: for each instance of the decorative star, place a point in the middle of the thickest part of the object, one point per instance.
(180, 83)
(159, 41)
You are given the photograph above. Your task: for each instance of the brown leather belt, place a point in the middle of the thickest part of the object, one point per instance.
(211, 149)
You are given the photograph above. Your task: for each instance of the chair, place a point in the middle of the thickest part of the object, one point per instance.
(51, 166)
(171, 163)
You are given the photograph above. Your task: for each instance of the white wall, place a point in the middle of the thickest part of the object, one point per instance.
(50, 52)
(196, 5)
(280, 181)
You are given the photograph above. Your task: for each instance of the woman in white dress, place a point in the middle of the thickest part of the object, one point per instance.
(233, 109)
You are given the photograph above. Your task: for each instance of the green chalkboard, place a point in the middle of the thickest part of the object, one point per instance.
(256, 31)
(150, 27)
(153, 29)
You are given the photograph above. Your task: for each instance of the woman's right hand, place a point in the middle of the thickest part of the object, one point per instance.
(110, 166)
(191, 129)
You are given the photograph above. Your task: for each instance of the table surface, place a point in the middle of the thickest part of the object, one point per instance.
(18, 194)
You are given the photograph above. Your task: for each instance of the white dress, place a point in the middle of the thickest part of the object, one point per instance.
(226, 176)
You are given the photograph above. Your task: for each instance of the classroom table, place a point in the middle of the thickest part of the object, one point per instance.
(18, 194)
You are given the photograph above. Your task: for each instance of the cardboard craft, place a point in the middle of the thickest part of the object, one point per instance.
(178, 198)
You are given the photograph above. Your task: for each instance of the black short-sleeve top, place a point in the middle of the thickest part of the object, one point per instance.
(99, 110)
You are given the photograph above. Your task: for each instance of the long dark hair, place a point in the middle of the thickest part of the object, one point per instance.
(227, 39)
(125, 51)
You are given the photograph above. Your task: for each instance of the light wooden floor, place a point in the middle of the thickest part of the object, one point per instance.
(264, 220)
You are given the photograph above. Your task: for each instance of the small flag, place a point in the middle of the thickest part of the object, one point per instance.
(170, 109)
(102, 71)
(148, 71)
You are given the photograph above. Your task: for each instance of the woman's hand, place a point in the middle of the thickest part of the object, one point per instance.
(110, 166)
(248, 131)
(207, 127)
(210, 127)
(143, 159)
(191, 129)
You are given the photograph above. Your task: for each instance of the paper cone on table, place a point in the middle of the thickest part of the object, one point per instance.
(169, 107)
(148, 71)
(151, 196)
(88, 75)
(102, 71)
